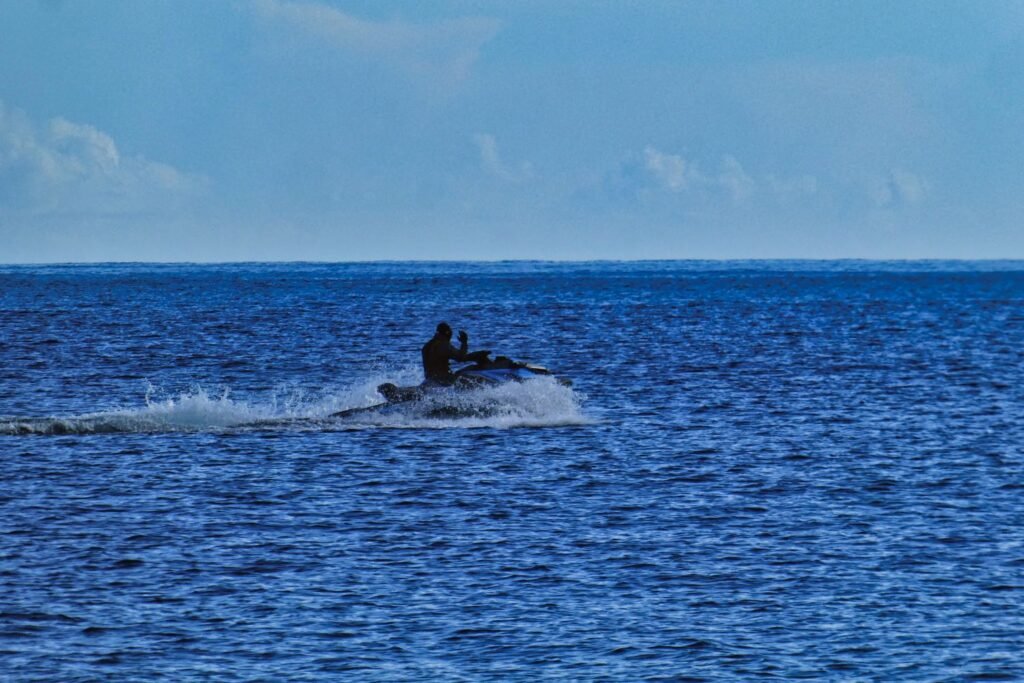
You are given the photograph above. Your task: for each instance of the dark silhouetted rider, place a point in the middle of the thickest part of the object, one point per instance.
(439, 351)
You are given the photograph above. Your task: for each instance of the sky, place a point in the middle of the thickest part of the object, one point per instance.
(283, 130)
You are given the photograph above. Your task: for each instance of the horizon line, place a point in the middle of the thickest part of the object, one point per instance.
(516, 260)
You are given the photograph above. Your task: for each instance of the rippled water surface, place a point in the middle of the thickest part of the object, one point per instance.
(762, 470)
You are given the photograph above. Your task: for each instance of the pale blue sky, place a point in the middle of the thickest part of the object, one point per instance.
(211, 130)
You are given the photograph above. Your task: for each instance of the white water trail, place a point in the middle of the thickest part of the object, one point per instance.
(537, 402)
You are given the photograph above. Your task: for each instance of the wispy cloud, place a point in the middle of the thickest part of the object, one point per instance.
(443, 51)
(68, 166)
(671, 170)
(734, 179)
(676, 174)
(655, 179)
(492, 163)
(898, 188)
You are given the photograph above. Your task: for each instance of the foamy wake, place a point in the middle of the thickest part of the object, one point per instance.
(535, 403)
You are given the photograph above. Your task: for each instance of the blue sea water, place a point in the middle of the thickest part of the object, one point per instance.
(763, 470)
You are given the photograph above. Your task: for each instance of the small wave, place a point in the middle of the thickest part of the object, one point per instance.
(537, 402)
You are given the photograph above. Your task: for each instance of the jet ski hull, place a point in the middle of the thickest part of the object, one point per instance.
(483, 373)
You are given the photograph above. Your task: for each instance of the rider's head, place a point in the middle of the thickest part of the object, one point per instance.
(445, 330)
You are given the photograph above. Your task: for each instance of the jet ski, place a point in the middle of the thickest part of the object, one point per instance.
(483, 372)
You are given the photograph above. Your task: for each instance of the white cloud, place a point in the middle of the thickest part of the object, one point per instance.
(674, 173)
(735, 180)
(67, 166)
(898, 188)
(492, 163)
(670, 170)
(445, 50)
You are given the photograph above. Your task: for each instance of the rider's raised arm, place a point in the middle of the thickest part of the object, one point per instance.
(461, 352)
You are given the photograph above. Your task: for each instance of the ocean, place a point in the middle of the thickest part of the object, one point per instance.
(762, 470)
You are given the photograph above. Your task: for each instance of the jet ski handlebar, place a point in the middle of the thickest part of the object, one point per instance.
(481, 356)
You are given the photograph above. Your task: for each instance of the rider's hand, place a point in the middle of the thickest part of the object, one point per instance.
(463, 337)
